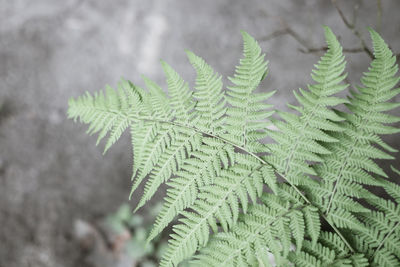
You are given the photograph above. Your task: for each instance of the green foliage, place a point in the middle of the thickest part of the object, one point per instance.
(207, 145)
(299, 139)
(245, 120)
(123, 221)
(350, 164)
(380, 240)
(135, 228)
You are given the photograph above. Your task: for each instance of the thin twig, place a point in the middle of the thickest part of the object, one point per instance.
(286, 31)
(379, 15)
(344, 19)
(325, 48)
(307, 49)
(384, 239)
(355, 10)
(353, 28)
(273, 35)
(297, 37)
(338, 233)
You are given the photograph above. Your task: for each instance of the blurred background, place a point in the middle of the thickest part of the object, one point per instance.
(64, 204)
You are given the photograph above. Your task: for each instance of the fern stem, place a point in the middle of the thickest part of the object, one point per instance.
(386, 237)
(338, 233)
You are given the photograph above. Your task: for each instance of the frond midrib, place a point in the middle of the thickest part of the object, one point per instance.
(340, 175)
(385, 238)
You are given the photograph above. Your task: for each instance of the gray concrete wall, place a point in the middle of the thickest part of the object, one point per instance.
(50, 171)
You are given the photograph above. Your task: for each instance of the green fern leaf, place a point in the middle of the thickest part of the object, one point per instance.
(217, 202)
(313, 223)
(347, 168)
(206, 146)
(210, 107)
(298, 139)
(181, 96)
(297, 226)
(265, 223)
(109, 113)
(246, 119)
(199, 170)
(170, 162)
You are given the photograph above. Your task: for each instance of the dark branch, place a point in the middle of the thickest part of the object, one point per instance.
(306, 47)
(273, 35)
(379, 15)
(353, 28)
(286, 30)
(325, 48)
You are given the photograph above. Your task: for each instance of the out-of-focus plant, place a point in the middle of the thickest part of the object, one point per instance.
(124, 222)
(136, 229)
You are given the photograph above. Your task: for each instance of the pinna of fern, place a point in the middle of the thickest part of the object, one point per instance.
(380, 239)
(245, 122)
(204, 145)
(298, 139)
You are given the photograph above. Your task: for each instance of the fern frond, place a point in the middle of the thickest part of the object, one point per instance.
(208, 86)
(348, 167)
(218, 202)
(322, 255)
(157, 101)
(246, 120)
(393, 189)
(199, 170)
(181, 96)
(170, 145)
(205, 145)
(170, 162)
(142, 134)
(107, 113)
(210, 107)
(298, 141)
(380, 239)
(152, 152)
(155, 137)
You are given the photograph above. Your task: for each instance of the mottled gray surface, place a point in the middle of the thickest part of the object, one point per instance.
(50, 171)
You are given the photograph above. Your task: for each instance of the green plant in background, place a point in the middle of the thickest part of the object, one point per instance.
(205, 145)
(123, 221)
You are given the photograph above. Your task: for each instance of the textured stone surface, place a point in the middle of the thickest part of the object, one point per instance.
(50, 171)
